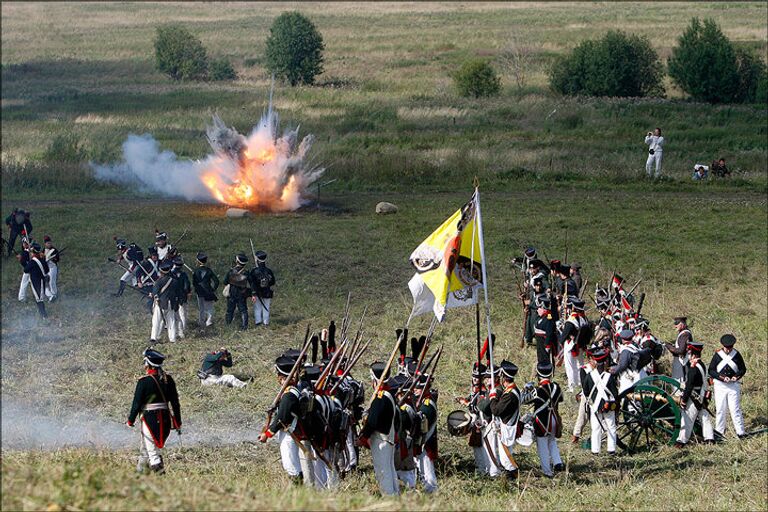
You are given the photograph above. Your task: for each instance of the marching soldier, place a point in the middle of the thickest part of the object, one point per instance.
(52, 258)
(183, 290)
(236, 290)
(36, 269)
(505, 403)
(695, 399)
(157, 400)
(165, 251)
(427, 448)
(212, 370)
(18, 223)
(261, 279)
(726, 370)
(547, 424)
(600, 394)
(131, 255)
(378, 433)
(679, 350)
(164, 295)
(576, 334)
(205, 283)
(545, 332)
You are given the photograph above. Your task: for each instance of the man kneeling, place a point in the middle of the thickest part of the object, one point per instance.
(212, 371)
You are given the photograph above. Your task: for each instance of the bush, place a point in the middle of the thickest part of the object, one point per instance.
(761, 92)
(750, 70)
(619, 64)
(221, 69)
(179, 54)
(294, 49)
(477, 78)
(65, 148)
(704, 64)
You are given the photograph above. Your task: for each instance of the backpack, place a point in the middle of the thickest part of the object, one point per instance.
(641, 358)
(134, 254)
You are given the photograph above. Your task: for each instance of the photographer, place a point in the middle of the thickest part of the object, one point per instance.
(655, 152)
(212, 371)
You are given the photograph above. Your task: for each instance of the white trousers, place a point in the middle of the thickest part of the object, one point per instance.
(581, 418)
(25, 283)
(307, 463)
(158, 324)
(325, 477)
(654, 164)
(150, 453)
(572, 365)
(289, 453)
(53, 272)
(383, 455)
(351, 451)
(205, 308)
(426, 470)
(129, 276)
(482, 461)
(261, 311)
(549, 454)
(408, 477)
(728, 397)
(224, 380)
(689, 420)
(603, 423)
(181, 320)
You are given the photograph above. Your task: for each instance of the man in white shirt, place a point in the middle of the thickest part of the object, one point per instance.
(655, 151)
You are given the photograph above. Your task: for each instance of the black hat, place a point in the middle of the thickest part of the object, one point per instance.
(530, 252)
(728, 340)
(576, 303)
(153, 358)
(241, 258)
(508, 369)
(312, 373)
(410, 366)
(695, 347)
(162, 235)
(642, 323)
(538, 280)
(261, 256)
(202, 257)
(536, 263)
(680, 320)
(626, 334)
(152, 250)
(35, 247)
(292, 353)
(46, 238)
(178, 261)
(166, 267)
(423, 380)
(478, 370)
(565, 269)
(284, 365)
(543, 302)
(544, 370)
(397, 382)
(120, 243)
(377, 369)
(576, 266)
(599, 354)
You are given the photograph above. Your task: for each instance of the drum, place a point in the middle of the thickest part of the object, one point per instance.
(459, 423)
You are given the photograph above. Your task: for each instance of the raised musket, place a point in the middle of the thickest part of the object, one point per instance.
(288, 379)
(349, 367)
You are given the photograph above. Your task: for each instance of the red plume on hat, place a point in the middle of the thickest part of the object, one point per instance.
(46, 238)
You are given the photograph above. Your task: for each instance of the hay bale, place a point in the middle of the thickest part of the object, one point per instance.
(385, 208)
(237, 213)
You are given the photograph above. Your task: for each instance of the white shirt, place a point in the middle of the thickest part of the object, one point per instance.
(655, 143)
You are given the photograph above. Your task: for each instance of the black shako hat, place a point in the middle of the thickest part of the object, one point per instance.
(544, 370)
(728, 340)
(508, 369)
(377, 369)
(284, 365)
(201, 257)
(153, 358)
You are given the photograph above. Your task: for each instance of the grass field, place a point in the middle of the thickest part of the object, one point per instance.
(391, 128)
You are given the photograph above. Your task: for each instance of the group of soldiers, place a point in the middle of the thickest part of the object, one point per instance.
(40, 263)
(161, 277)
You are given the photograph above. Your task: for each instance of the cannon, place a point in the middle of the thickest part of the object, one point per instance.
(649, 414)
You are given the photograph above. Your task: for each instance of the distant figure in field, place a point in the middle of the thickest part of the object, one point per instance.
(700, 172)
(719, 169)
(655, 152)
(18, 225)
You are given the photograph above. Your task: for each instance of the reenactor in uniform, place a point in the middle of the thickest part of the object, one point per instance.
(183, 290)
(479, 392)
(726, 370)
(205, 283)
(695, 398)
(36, 268)
(165, 251)
(19, 224)
(212, 370)
(426, 450)
(505, 403)
(164, 295)
(147, 272)
(679, 350)
(601, 395)
(52, 258)
(408, 432)
(24, 256)
(261, 279)
(545, 332)
(547, 423)
(378, 433)
(629, 368)
(576, 334)
(131, 255)
(576, 275)
(236, 288)
(157, 400)
(530, 300)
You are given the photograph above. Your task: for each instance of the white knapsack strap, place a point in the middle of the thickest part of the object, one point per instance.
(727, 359)
(600, 388)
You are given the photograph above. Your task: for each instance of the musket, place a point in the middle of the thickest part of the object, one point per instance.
(583, 288)
(380, 380)
(327, 370)
(526, 314)
(565, 258)
(178, 239)
(633, 288)
(352, 363)
(417, 372)
(288, 379)
(253, 251)
(640, 303)
(428, 386)
(345, 319)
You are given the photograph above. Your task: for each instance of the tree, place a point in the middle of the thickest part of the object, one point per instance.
(221, 69)
(618, 64)
(294, 49)
(751, 70)
(179, 54)
(477, 78)
(516, 59)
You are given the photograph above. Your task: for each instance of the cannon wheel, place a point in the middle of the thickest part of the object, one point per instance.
(648, 414)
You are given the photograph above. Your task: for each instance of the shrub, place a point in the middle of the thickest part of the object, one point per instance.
(750, 70)
(65, 148)
(761, 92)
(704, 64)
(221, 69)
(179, 54)
(294, 49)
(619, 64)
(477, 78)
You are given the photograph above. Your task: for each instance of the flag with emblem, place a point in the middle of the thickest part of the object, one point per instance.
(449, 264)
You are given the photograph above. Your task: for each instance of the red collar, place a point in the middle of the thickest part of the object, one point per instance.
(543, 382)
(151, 371)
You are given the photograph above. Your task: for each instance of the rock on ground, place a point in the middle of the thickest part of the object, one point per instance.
(237, 213)
(385, 208)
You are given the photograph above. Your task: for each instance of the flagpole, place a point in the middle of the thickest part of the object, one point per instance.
(485, 283)
(477, 303)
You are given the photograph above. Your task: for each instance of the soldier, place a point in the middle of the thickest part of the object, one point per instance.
(52, 258)
(261, 279)
(576, 335)
(236, 290)
(157, 400)
(407, 434)
(36, 269)
(165, 304)
(378, 433)
(24, 257)
(534, 292)
(131, 255)
(183, 290)
(546, 335)
(478, 393)
(695, 399)
(287, 425)
(147, 272)
(601, 395)
(165, 251)
(426, 449)
(547, 424)
(646, 340)
(630, 368)
(212, 370)
(726, 370)
(679, 350)
(18, 223)
(205, 283)
(576, 275)
(505, 403)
